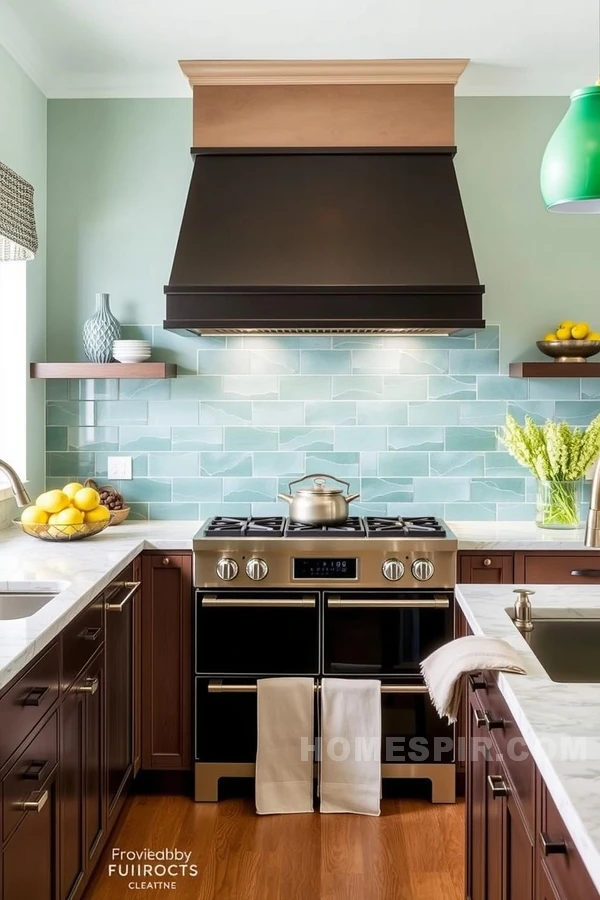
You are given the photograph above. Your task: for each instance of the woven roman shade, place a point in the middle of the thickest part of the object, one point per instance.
(18, 235)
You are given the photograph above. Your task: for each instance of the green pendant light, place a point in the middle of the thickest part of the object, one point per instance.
(570, 175)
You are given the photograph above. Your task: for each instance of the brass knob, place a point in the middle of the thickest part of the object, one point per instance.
(166, 561)
(487, 561)
(90, 686)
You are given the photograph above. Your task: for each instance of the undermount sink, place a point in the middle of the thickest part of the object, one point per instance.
(21, 604)
(566, 642)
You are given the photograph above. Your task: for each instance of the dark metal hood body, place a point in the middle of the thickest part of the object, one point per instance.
(293, 241)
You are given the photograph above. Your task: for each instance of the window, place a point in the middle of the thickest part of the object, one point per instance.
(13, 366)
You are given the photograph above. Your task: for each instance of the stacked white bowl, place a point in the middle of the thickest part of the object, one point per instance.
(131, 351)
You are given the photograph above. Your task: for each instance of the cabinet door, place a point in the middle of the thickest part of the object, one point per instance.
(166, 661)
(491, 568)
(495, 847)
(545, 885)
(518, 853)
(557, 568)
(476, 820)
(81, 775)
(30, 858)
(137, 669)
(119, 689)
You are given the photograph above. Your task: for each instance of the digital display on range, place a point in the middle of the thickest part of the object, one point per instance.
(310, 567)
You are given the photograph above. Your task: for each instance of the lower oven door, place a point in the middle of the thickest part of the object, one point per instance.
(225, 720)
(383, 632)
(257, 633)
(411, 730)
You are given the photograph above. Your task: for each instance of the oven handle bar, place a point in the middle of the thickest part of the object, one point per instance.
(220, 687)
(357, 603)
(287, 602)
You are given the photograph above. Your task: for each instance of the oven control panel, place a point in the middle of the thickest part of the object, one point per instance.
(313, 568)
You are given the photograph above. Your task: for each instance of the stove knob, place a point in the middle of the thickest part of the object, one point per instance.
(227, 569)
(256, 569)
(423, 569)
(393, 569)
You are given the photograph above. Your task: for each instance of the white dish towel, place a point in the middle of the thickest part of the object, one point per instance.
(445, 669)
(284, 758)
(350, 746)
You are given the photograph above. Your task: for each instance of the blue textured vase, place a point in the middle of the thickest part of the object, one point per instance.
(100, 331)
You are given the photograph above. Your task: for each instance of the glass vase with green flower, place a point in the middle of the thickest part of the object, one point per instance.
(558, 456)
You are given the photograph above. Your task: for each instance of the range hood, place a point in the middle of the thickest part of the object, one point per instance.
(294, 242)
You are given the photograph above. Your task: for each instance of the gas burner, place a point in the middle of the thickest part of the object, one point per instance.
(404, 526)
(225, 526)
(352, 527)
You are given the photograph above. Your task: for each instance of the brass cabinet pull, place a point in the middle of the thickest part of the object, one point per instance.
(491, 722)
(119, 607)
(298, 602)
(90, 634)
(487, 561)
(586, 573)
(90, 686)
(35, 770)
(34, 803)
(166, 561)
(477, 683)
(221, 687)
(480, 720)
(346, 603)
(497, 786)
(549, 846)
(34, 696)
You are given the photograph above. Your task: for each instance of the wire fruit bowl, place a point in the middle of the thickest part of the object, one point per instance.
(47, 532)
(569, 351)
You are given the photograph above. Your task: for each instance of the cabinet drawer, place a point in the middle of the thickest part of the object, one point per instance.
(26, 779)
(24, 704)
(487, 568)
(556, 848)
(582, 569)
(81, 639)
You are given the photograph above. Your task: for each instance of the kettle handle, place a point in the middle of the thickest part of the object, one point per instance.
(318, 475)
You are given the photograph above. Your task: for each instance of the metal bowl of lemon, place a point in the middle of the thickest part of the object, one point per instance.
(571, 342)
(69, 514)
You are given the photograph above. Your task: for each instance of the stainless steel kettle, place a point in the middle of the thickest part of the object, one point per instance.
(319, 505)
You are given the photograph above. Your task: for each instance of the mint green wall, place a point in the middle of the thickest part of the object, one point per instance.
(118, 175)
(23, 148)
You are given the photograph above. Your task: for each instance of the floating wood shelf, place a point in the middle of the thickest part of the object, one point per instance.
(554, 370)
(154, 370)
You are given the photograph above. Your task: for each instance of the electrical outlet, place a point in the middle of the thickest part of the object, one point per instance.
(119, 467)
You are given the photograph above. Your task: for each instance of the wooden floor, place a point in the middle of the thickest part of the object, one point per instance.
(414, 851)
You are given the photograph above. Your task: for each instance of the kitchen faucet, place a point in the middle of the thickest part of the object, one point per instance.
(592, 528)
(17, 486)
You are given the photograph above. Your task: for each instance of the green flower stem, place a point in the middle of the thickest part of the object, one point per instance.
(558, 504)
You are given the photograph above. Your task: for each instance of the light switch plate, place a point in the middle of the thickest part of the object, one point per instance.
(119, 467)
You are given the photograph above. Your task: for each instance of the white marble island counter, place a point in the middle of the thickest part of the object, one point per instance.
(559, 722)
(82, 569)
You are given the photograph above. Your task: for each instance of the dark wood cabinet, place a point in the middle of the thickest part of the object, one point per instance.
(120, 602)
(29, 867)
(476, 819)
(485, 568)
(166, 661)
(545, 567)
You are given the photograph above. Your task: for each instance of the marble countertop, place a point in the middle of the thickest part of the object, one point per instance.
(560, 722)
(515, 536)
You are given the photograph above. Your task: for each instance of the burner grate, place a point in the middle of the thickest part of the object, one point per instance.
(352, 527)
(259, 526)
(404, 526)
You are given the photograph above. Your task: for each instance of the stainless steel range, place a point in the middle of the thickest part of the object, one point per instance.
(369, 598)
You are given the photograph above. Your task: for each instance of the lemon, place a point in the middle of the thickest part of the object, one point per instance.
(99, 514)
(71, 489)
(34, 515)
(594, 336)
(69, 519)
(86, 499)
(52, 501)
(580, 331)
(551, 336)
(563, 334)
(566, 324)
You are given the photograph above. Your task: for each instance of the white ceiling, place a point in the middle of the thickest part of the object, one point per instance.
(130, 48)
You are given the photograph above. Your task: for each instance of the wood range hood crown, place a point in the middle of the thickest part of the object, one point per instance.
(324, 199)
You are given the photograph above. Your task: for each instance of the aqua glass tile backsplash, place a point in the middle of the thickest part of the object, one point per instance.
(410, 422)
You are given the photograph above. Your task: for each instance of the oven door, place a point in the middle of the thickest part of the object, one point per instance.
(383, 632)
(225, 720)
(257, 633)
(411, 730)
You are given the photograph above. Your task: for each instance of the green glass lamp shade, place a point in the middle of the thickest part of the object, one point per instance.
(570, 175)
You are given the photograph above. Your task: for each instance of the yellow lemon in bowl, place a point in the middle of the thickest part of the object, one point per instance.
(69, 519)
(563, 334)
(566, 324)
(580, 331)
(594, 336)
(71, 489)
(86, 499)
(52, 501)
(551, 337)
(99, 514)
(34, 515)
